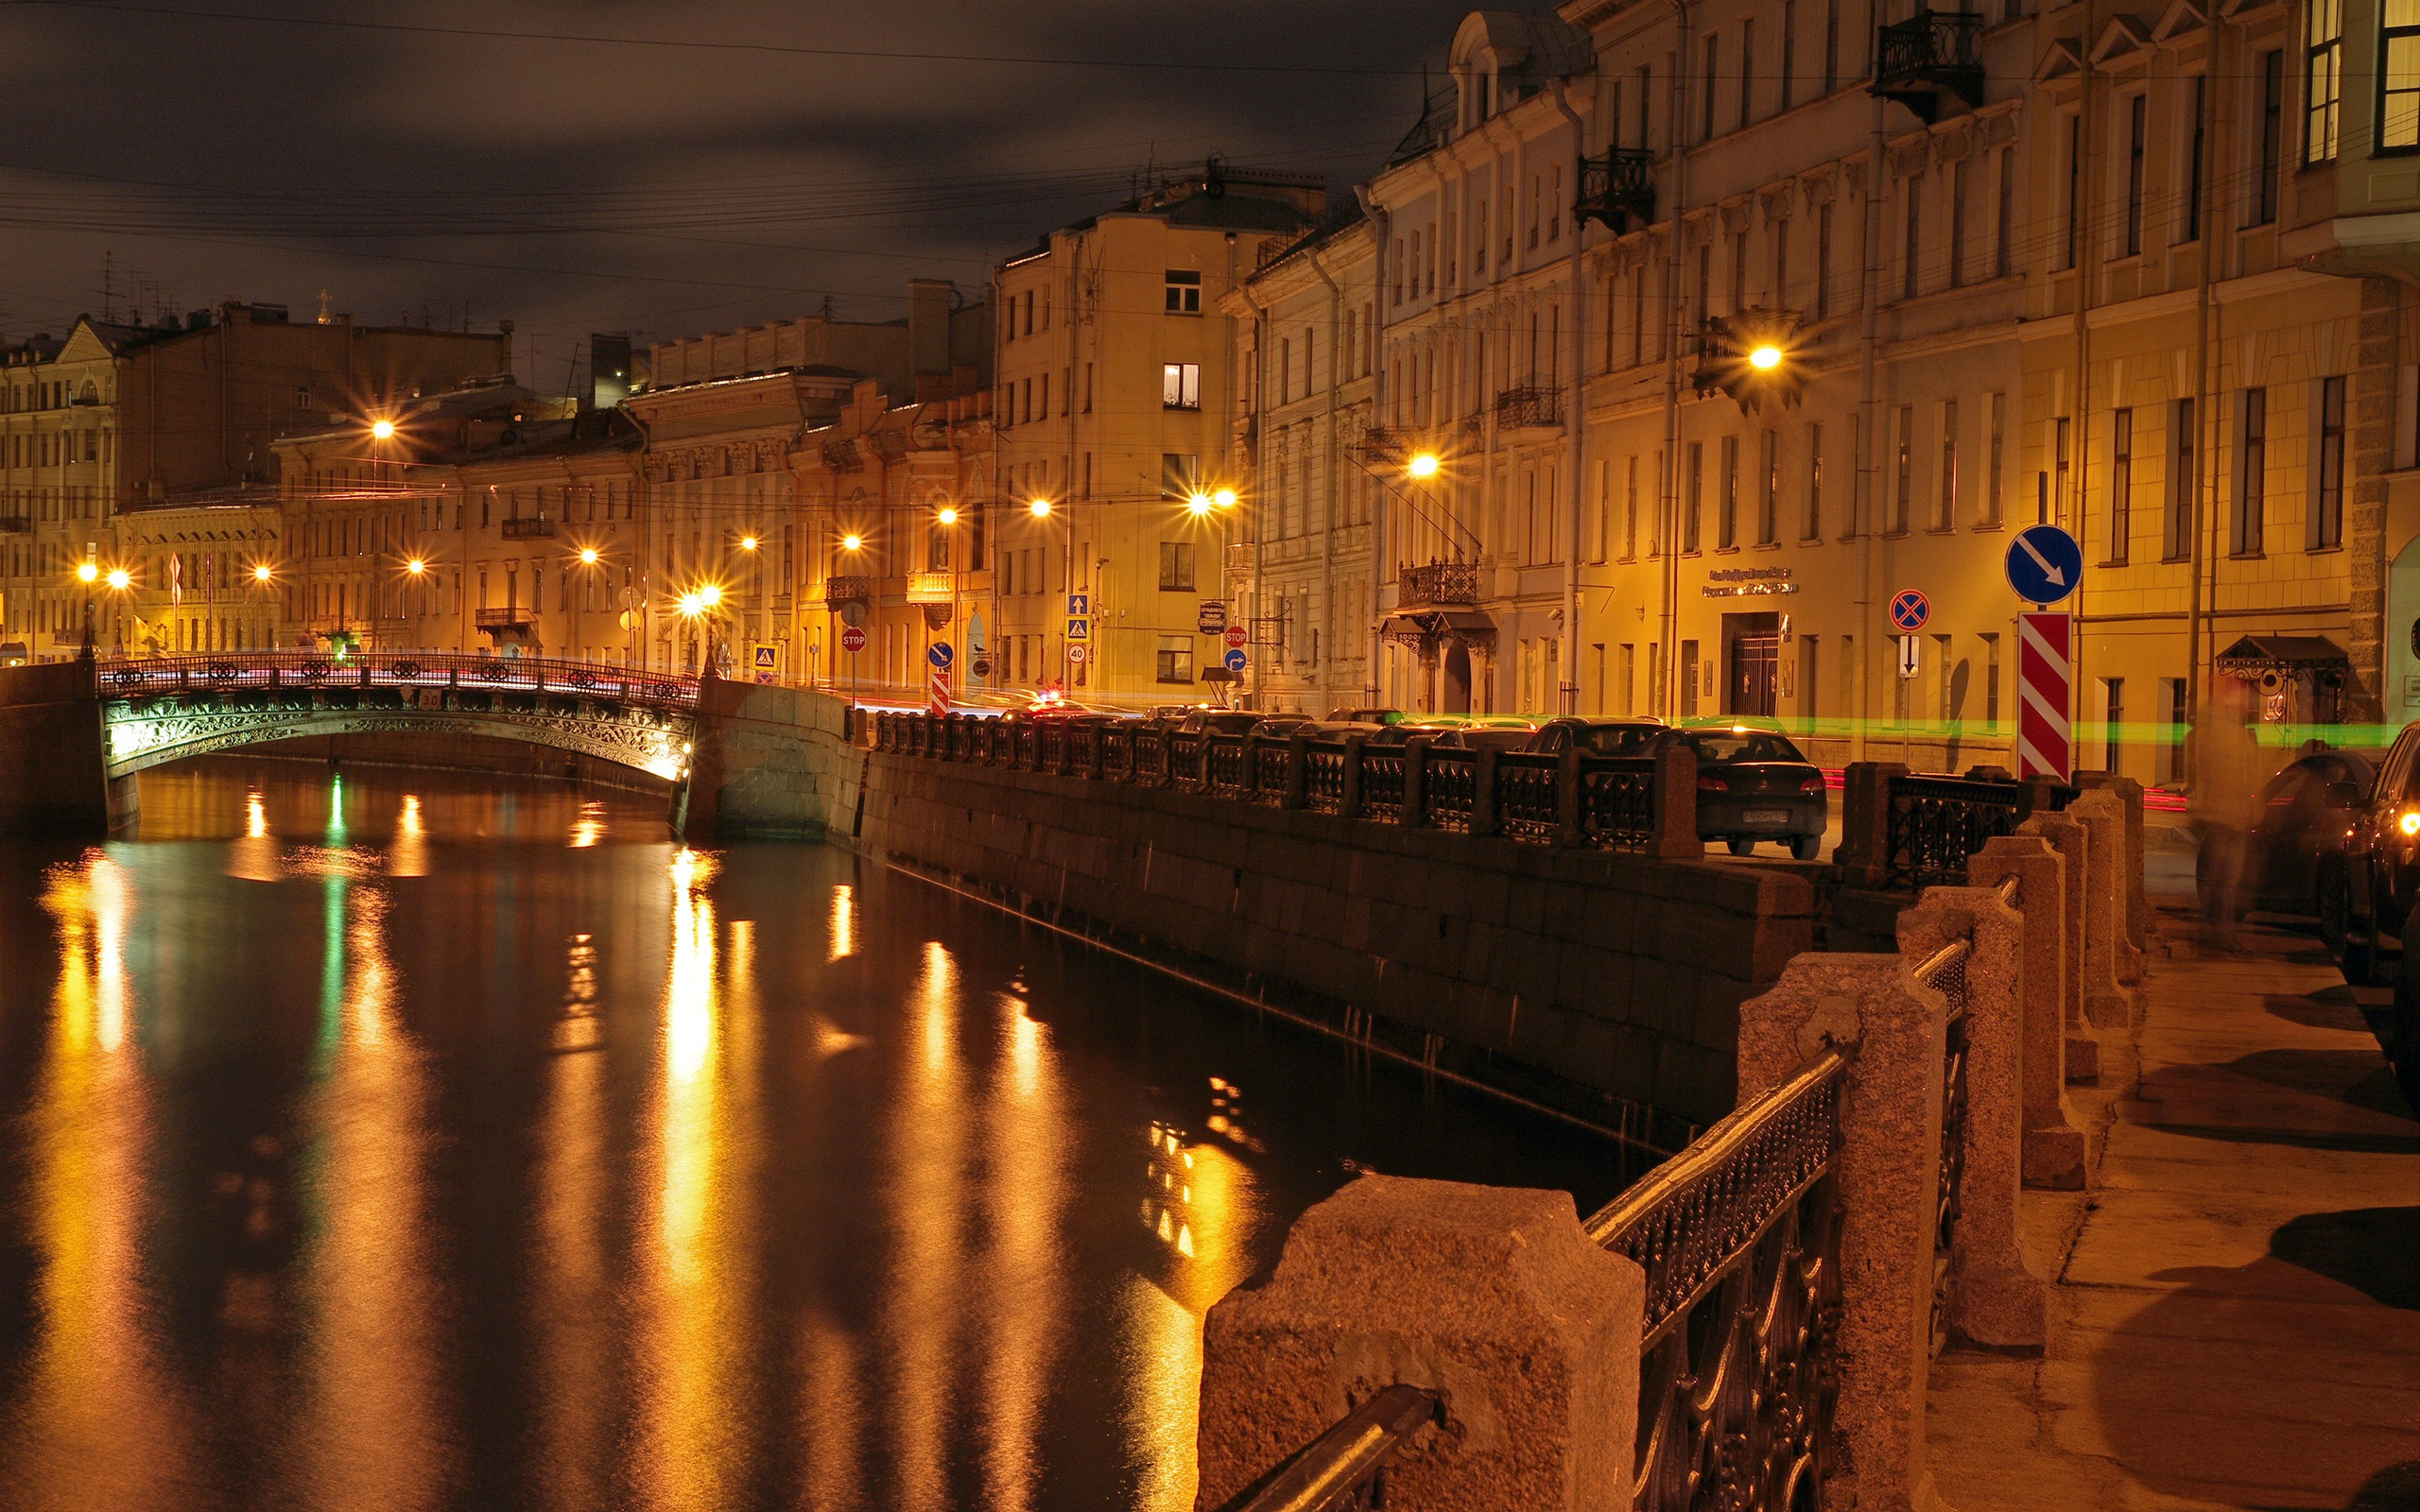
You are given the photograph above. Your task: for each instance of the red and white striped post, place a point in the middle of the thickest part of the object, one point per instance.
(2044, 670)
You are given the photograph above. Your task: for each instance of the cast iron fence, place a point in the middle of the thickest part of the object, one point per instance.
(1934, 823)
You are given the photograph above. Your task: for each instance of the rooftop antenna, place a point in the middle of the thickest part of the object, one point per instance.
(323, 307)
(109, 287)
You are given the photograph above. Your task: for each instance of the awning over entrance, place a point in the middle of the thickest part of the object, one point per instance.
(2285, 654)
(1426, 629)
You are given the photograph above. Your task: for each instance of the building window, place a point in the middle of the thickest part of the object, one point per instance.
(1789, 52)
(1946, 516)
(1995, 459)
(1957, 222)
(2273, 131)
(2075, 186)
(302, 399)
(2121, 482)
(1991, 684)
(1769, 491)
(2322, 67)
(1176, 659)
(1181, 385)
(2059, 470)
(1184, 292)
(1691, 518)
(1915, 230)
(2183, 480)
(1812, 528)
(1903, 473)
(1713, 72)
(1822, 261)
(2192, 224)
(1728, 520)
(2252, 485)
(2399, 77)
(1179, 475)
(2004, 223)
(2137, 110)
(1630, 507)
(1747, 72)
(1176, 566)
(2328, 515)
(2113, 722)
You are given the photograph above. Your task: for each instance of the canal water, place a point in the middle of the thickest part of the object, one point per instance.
(396, 1139)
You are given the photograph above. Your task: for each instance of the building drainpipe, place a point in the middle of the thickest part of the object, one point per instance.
(2206, 476)
(2079, 228)
(1575, 411)
(1378, 223)
(1330, 460)
(1259, 471)
(1866, 504)
(1668, 695)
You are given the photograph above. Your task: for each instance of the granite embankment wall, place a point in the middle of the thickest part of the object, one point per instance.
(460, 753)
(52, 779)
(1595, 981)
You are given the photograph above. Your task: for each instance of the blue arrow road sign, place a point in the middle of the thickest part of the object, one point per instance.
(1235, 661)
(1910, 609)
(941, 654)
(2045, 564)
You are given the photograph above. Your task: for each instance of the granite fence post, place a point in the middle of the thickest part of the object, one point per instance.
(1567, 830)
(1349, 804)
(1491, 1296)
(1483, 820)
(1864, 855)
(1993, 1298)
(2055, 1149)
(1887, 1184)
(1298, 769)
(1674, 802)
(2108, 1003)
(2130, 794)
(1415, 782)
(2074, 844)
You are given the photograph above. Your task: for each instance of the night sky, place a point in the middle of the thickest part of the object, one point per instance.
(420, 163)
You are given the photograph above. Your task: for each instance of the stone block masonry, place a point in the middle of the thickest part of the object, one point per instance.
(1593, 981)
(771, 762)
(52, 779)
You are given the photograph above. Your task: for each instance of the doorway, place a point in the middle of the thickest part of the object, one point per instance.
(1458, 679)
(1752, 655)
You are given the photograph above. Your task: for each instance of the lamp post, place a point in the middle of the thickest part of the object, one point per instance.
(854, 546)
(119, 581)
(587, 558)
(87, 572)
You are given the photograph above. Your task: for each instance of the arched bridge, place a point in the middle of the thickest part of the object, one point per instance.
(167, 710)
(745, 759)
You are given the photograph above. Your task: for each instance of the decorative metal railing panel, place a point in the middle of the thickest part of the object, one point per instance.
(1270, 759)
(1226, 763)
(1150, 758)
(1932, 44)
(1382, 784)
(1345, 1469)
(1323, 775)
(1935, 823)
(1052, 748)
(1618, 802)
(1082, 741)
(1525, 795)
(1530, 405)
(1739, 1237)
(1438, 582)
(1118, 754)
(1618, 189)
(1945, 972)
(1449, 784)
(859, 588)
(1184, 759)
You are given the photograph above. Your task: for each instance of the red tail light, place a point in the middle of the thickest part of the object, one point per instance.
(1708, 783)
(1813, 787)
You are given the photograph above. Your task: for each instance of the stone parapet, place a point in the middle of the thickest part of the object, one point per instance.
(2056, 1153)
(2110, 962)
(2073, 842)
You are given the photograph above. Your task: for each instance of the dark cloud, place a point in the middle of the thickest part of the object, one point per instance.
(576, 186)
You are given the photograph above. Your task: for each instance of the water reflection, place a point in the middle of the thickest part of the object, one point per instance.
(614, 1174)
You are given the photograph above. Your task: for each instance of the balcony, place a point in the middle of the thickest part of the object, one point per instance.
(857, 590)
(1439, 582)
(512, 616)
(1618, 190)
(16, 524)
(1532, 407)
(534, 528)
(1930, 54)
(932, 587)
(1381, 447)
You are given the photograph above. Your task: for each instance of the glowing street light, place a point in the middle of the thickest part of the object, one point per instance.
(748, 542)
(1198, 503)
(1041, 509)
(852, 543)
(416, 566)
(1424, 465)
(260, 572)
(120, 579)
(1224, 498)
(382, 430)
(1766, 357)
(946, 515)
(88, 571)
(588, 556)
(710, 595)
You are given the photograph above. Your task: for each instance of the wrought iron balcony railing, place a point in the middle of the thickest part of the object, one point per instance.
(16, 524)
(505, 618)
(1530, 406)
(840, 591)
(1930, 54)
(932, 588)
(1618, 190)
(1439, 582)
(534, 527)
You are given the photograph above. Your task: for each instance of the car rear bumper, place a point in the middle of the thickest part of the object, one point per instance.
(1728, 817)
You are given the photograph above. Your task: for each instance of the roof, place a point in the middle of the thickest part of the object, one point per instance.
(2281, 653)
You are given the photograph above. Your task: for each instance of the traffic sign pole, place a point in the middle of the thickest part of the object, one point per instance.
(2044, 670)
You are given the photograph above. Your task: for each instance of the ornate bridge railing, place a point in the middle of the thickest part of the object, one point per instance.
(1740, 1236)
(1945, 972)
(392, 669)
(1934, 823)
(1607, 802)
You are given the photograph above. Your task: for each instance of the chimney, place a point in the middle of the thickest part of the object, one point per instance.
(928, 306)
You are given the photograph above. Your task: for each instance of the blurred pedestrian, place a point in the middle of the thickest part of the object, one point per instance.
(2223, 804)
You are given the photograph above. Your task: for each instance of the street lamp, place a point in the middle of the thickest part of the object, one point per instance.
(1039, 509)
(1424, 465)
(261, 572)
(1196, 503)
(382, 430)
(87, 572)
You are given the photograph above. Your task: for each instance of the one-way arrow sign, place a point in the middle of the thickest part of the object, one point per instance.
(2045, 564)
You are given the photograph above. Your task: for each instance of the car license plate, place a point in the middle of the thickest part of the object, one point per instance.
(1767, 816)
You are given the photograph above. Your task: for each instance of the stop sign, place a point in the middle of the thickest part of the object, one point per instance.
(853, 639)
(1235, 635)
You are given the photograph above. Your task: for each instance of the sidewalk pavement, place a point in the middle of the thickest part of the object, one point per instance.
(2235, 1319)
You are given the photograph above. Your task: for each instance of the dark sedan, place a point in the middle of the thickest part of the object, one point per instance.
(1594, 737)
(2307, 813)
(1754, 784)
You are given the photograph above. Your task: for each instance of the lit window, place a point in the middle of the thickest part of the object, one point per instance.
(1181, 382)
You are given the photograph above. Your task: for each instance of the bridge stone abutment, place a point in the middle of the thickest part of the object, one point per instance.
(769, 762)
(54, 778)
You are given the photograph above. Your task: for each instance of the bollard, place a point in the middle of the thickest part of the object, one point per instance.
(1889, 1187)
(1492, 1297)
(2074, 844)
(1994, 1298)
(2110, 959)
(1484, 819)
(1675, 804)
(2056, 1151)
(1298, 769)
(1415, 782)
(1864, 855)
(2130, 795)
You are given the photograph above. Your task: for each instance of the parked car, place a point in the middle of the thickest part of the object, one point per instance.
(1754, 784)
(1473, 731)
(1627, 736)
(2306, 813)
(2366, 890)
(1364, 716)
